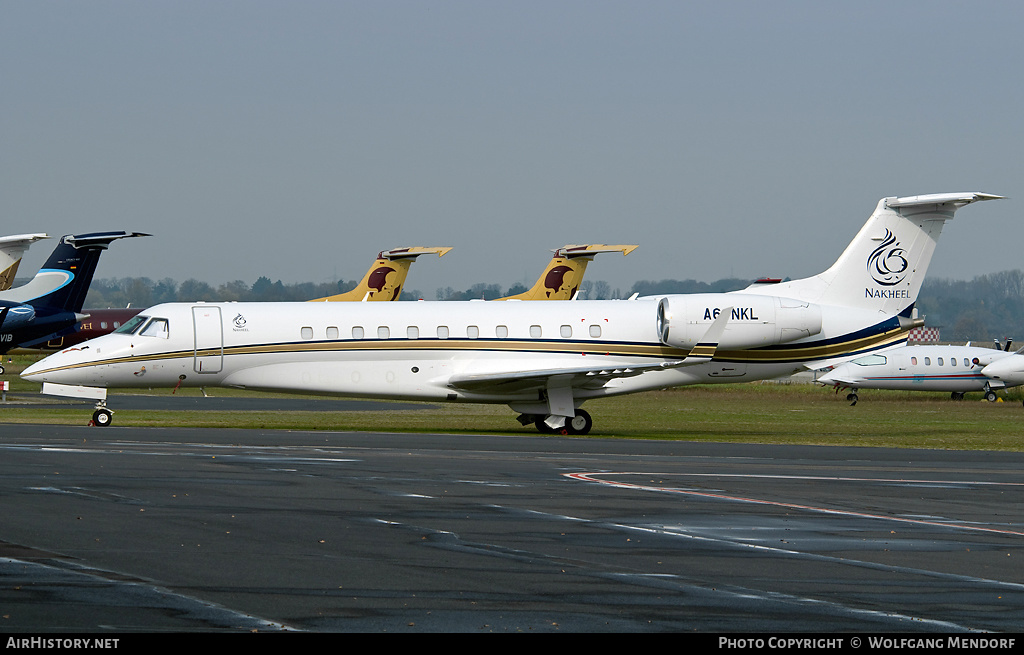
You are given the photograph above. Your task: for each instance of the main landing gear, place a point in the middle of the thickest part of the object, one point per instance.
(577, 425)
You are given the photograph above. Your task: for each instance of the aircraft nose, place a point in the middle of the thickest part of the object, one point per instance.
(32, 372)
(43, 370)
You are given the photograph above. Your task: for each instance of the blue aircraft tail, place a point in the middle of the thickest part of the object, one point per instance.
(63, 281)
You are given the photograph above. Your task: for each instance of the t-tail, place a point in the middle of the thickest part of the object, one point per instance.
(12, 249)
(386, 277)
(63, 281)
(564, 273)
(883, 267)
(51, 303)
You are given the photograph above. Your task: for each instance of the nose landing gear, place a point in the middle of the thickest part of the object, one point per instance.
(102, 417)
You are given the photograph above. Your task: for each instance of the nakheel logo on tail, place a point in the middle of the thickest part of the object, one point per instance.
(888, 267)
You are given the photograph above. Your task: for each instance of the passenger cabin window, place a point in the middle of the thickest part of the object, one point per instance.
(383, 332)
(357, 332)
(565, 331)
(927, 361)
(967, 363)
(913, 360)
(952, 361)
(940, 361)
(156, 328)
(132, 325)
(412, 332)
(332, 333)
(595, 331)
(535, 331)
(442, 331)
(307, 333)
(501, 331)
(473, 332)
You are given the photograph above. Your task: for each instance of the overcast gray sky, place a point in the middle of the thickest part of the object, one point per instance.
(295, 139)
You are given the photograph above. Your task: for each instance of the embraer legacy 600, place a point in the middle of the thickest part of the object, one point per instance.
(543, 359)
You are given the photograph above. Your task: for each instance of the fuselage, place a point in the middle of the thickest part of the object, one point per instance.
(414, 350)
(921, 367)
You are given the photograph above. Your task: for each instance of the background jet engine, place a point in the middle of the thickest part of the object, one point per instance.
(753, 320)
(14, 316)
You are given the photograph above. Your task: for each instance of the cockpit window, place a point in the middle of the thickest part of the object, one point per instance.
(870, 360)
(132, 325)
(156, 328)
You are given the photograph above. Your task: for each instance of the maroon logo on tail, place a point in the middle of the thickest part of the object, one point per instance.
(555, 278)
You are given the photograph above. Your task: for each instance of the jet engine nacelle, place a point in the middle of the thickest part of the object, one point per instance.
(15, 316)
(753, 320)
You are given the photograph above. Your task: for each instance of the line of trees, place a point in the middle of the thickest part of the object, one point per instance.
(987, 307)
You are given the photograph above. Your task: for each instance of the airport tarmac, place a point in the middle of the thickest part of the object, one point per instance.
(125, 530)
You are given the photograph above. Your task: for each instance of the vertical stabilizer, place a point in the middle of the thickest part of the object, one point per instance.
(12, 249)
(564, 273)
(883, 267)
(386, 277)
(63, 281)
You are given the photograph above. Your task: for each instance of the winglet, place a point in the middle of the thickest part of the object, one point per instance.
(706, 346)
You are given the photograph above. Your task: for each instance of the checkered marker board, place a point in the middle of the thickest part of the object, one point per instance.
(923, 334)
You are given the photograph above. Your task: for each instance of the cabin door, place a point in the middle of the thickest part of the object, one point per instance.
(209, 343)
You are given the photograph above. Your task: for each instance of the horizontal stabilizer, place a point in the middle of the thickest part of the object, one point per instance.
(958, 199)
(574, 252)
(413, 253)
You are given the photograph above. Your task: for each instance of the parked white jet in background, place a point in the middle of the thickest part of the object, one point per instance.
(956, 369)
(543, 359)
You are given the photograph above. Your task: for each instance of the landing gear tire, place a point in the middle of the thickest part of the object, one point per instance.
(957, 395)
(102, 417)
(1, 370)
(579, 424)
(852, 397)
(990, 396)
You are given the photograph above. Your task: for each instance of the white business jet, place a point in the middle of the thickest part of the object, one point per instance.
(956, 369)
(543, 359)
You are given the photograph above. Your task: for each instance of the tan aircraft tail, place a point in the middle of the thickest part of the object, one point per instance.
(12, 249)
(386, 277)
(561, 279)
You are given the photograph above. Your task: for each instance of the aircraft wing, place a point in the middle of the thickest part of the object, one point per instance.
(588, 377)
(580, 377)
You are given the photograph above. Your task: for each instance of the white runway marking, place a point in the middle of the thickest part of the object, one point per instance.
(591, 477)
